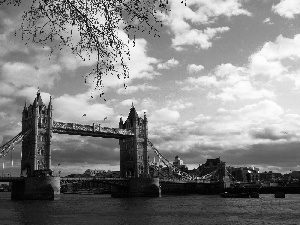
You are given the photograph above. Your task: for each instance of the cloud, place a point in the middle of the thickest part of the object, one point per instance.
(192, 83)
(71, 149)
(132, 89)
(169, 64)
(270, 133)
(6, 89)
(281, 48)
(141, 66)
(164, 115)
(22, 74)
(148, 103)
(179, 104)
(287, 8)
(204, 11)
(274, 61)
(280, 155)
(129, 102)
(193, 68)
(278, 60)
(218, 128)
(70, 108)
(227, 83)
(183, 20)
(199, 38)
(72, 62)
(242, 90)
(268, 21)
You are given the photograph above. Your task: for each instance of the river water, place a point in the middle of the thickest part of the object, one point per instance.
(188, 209)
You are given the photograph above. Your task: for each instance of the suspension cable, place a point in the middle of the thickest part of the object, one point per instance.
(7, 147)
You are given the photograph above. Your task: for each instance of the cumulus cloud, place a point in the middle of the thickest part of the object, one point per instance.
(278, 60)
(193, 68)
(287, 8)
(182, 21)
(274, 61)
(199, 38)
(227, 83)
(169, 64)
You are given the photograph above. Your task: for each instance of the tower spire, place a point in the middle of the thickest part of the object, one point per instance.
(50, 102)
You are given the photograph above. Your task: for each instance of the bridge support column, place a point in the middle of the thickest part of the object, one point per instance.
(36, 188)
(138, 187)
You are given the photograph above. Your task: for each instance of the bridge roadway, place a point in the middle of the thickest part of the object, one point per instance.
(94, 130)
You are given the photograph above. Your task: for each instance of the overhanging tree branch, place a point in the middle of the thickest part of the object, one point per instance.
(98, 22)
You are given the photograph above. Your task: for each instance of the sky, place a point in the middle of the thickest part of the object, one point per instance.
(222, 80)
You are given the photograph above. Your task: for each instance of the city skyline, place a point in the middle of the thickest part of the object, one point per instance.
(222, 80)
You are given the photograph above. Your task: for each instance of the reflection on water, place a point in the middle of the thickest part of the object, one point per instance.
(190, 209)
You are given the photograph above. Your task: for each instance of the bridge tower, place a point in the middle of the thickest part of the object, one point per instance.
(133, 151)
(36, 152)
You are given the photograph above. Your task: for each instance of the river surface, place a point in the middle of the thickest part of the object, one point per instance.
(188, 209)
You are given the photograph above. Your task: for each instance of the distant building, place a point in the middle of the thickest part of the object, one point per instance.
(295, 174)
(271, 177)
(209, 166)
(215, 169)
(244, 174)
(179, 164)
(93, 173)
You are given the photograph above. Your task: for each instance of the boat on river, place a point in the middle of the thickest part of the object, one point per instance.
(279, 195)
(254, 195)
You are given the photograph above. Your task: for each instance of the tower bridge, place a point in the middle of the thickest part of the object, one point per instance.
(37, 180)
